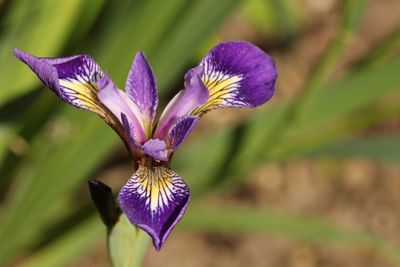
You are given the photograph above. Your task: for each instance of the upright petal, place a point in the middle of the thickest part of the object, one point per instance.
(180, 130)
(237, 74)
(155, 199)
(141, 87)
(194, 95)
(134, 147)
(74, 80)
(118, 103)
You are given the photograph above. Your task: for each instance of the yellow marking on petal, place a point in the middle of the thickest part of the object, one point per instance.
(158, 184)
(216, 86)
(219, 89)
(79, 87)
(155, 192)
(84, 95)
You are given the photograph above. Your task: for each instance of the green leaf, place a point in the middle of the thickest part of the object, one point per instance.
(202, 158)
(6, 134)
(343, 98)
(69, 246)
(297, 109)
(350, 94)
(127, 244)
(274, 17)
(48, 165)
(176, 49)
(380, 148)
(37, 27)
(65, 152)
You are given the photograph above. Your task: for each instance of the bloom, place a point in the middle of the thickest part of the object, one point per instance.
(232, 74)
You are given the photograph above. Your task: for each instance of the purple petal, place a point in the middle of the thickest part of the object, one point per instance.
(157, 149)
(194, 95)
(118, 103)
(141, 87)
(129, 131)
(155, 199)
(237, 74)
(180, 130)
(75, 80)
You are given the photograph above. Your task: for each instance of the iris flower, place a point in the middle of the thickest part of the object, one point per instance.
(232, 75)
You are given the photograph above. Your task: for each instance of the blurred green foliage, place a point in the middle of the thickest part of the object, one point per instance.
(41, 166)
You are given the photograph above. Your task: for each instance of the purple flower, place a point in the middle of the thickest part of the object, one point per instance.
(232, 74)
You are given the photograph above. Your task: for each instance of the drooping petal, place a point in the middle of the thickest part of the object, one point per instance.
(118, 103)
(194, 95)
(180, 130)
(73, 79)
(237, 74)
(157, 149)
(155, 199)
(141, 87)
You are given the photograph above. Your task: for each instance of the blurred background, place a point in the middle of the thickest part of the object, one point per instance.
(312, 178)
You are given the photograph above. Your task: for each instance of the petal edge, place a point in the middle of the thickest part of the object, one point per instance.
(194, 95)
(141, 88)
(76, 80)
(180, 130)
(237, 74)
(155, 199)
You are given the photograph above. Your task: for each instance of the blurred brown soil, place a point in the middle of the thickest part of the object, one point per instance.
(353, 194)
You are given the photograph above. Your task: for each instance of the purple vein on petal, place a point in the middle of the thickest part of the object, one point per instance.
(237, 74)
(155, 199)
(180, 130)
(141, 88)
(75, 80)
